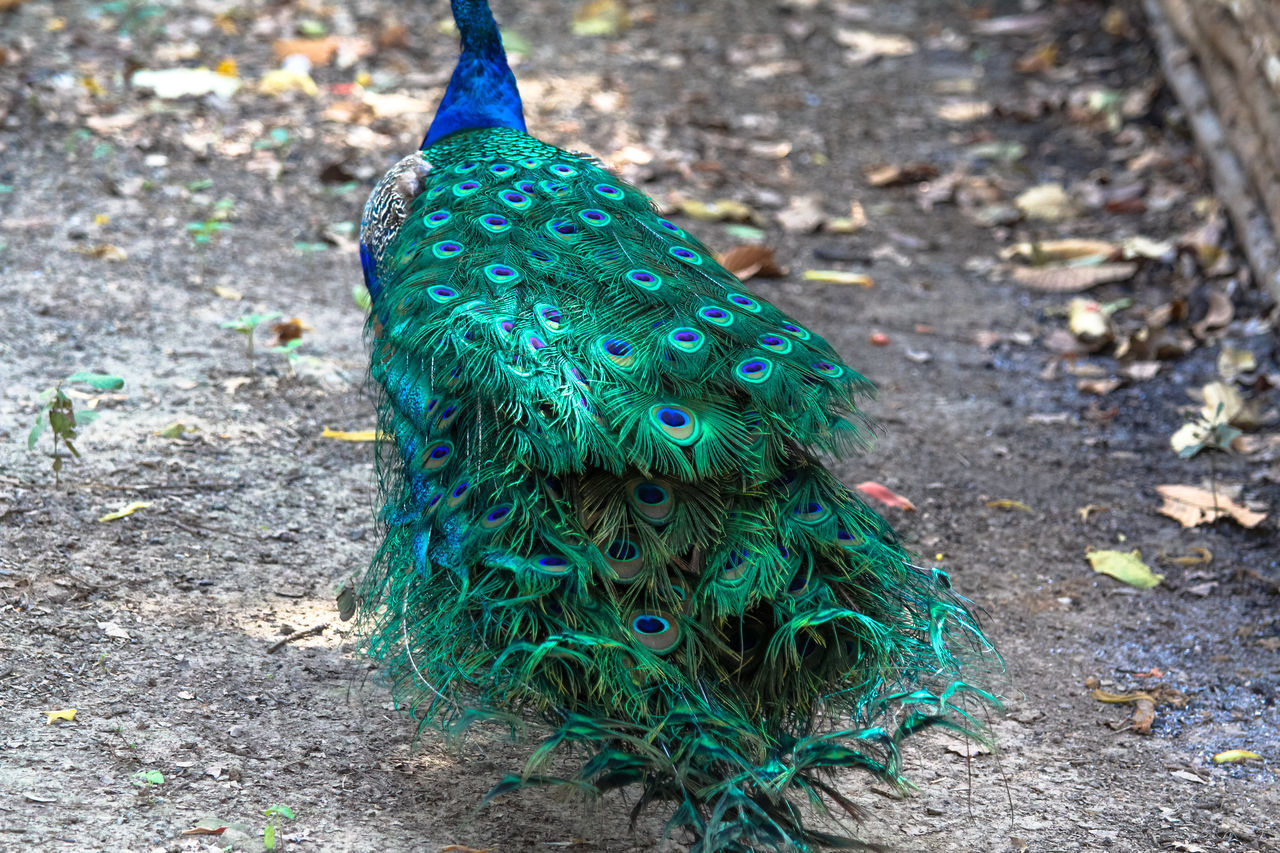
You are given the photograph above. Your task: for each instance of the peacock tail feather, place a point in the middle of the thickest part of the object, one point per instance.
(604, 509)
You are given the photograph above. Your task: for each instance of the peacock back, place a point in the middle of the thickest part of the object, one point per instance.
(605, 509)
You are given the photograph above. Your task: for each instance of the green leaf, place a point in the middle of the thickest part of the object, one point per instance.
(283, 811)
(1128, 568)
(101, 381)
(269, 837)
(86, 418)
(148, 777)
(63, 422)
(37, 430)
(360, 295)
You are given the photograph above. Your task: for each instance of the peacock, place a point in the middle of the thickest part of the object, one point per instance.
(605, 518)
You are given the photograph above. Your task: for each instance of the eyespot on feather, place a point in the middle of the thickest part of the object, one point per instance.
(436, 218)
(826, 368)
(652, 501)
(686, 340)
(446, 249)
(562, 170)
(745, 302)
(502, 274)
(645, 279)
(682, 253)
(515, 199)
(623, 557)
(676, 423)
(436, 455)
(496, 517)
(718, 316)
(553, 565)
(775, 343)
(811, 512)
(796, 331)
(458, 494)
(595, 218)
(551, 319)
(618, 352)
(753, 370)
(657, 632)
(494, 223)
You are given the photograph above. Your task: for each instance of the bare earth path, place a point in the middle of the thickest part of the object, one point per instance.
(157, 627)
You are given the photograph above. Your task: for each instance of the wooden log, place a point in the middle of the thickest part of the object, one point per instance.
(1207, 89)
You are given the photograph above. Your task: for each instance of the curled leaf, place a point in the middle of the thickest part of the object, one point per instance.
(125, 511)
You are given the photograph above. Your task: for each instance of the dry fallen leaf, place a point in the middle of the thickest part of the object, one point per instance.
(1010, 504)
(1052, 251)
(899, 174)
(1192, 506)
(838, 277)
(600, 18)
(68, 714)
(1220, 313)
(1144, 716)
(1072, 279)
(279, 81)
(1046, 202)
(350, 435)
(124, 511)
(288, 330)
(802, 215)
(1038, 60)
(865, 46)
(1233, 362)
(962, 112)
(720, 210)
(751, 260)
(885, 495)
(1089, 322)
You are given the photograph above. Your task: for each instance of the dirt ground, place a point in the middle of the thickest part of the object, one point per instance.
(160, 628)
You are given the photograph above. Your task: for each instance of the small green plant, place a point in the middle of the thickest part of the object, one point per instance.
(203, 233)
(1207, 430)
(288, 351)
(58, 414)
(276, 816)
(246, 325)
(148, 778)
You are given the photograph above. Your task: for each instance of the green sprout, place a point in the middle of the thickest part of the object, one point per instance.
(246, 325)
(276, 815)
(58, 414)
(148, 778)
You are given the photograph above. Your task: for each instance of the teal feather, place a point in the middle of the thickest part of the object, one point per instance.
(604, 508)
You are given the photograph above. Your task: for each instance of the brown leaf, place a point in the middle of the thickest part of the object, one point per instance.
(1072, 279)
(1038, 60)
(802, 215)
(900, 174)
(1192, 506)
(317, 51)
(288, 330)
(1144, 714)
(1219, 314)
(748, 261)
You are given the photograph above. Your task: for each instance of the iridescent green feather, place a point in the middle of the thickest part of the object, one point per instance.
(604, 508)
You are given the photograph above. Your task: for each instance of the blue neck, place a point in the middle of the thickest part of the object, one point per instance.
(482, 92)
